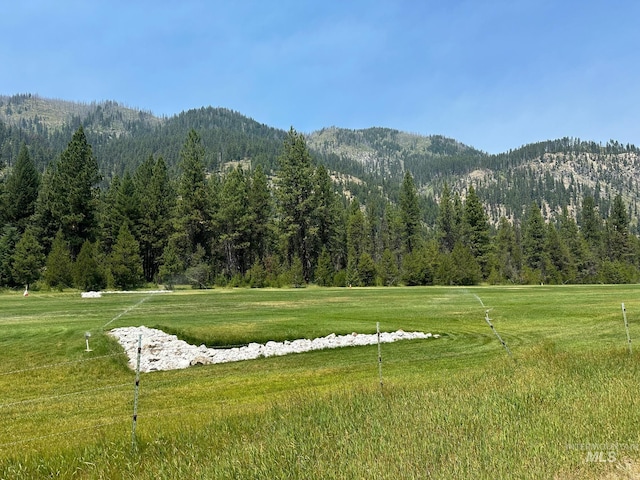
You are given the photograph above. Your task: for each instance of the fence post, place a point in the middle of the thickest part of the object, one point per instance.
(626, 326)
(379, 355)
(135, 396)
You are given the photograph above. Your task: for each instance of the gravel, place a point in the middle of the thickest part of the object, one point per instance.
(161, 351)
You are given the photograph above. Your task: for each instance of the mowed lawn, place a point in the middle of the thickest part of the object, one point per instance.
(566, 404)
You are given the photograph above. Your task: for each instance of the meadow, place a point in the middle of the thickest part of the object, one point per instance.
(566, 404)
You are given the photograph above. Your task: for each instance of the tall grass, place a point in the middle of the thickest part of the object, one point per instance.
(456, 407)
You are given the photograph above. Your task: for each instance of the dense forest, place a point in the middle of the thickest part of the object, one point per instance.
(259, 208)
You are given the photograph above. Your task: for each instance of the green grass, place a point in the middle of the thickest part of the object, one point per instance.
(453, 407)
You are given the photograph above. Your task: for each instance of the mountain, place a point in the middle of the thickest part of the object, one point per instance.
(554, 173)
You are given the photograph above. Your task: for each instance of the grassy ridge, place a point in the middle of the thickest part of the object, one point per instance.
(456, 407)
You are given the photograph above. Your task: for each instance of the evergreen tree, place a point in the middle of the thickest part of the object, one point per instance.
(9, 236)
(297, 273)
(296, 202)
(87, 272)
(69, 197)
(235, 219)
(366, 270)
(171, 266)
(560, 267)
(194, 209)
(392, 233)
(618, 243)
(533, 240)
(324, 271)
(476, 229)
(111, 219)
(446, 225)
(125, 263)
(508, 256)
(326, 214)
(582, 260)
(591, 224)
(59, 267)
(410, 213)
(417, 268)
(257, 275)
(389, 268)
(465, 268)
(157, 202)
(355, 243)
(261, 210)
(199, 272)
(444, 271)
(127, 204)
(27, 259)
(21, 191)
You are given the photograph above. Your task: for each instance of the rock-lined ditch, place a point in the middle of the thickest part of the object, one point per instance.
(161, 351)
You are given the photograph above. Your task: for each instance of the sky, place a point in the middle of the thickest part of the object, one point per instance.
(491, 74)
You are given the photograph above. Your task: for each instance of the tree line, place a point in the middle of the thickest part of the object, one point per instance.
(61, 229)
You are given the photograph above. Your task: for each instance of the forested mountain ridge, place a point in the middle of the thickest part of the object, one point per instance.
(555, 173)
(123, 137)
(102, 195)
(45, 115)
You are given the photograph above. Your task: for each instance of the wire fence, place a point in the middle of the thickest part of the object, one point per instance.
(30, 412)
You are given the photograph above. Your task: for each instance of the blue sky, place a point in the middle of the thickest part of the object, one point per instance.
(492, 74)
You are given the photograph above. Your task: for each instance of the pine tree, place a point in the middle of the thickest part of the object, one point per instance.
(296, 273)
(324, 271)
(507, 252)
(355, 243)
(235, 220)
(560, 267)
(476, 229)
(125, 263)
(171, 266)
(157, 203)
(296, 202)
(583, 261)
(410, 213)
(261, 209)
(392, 233)
(417, 267)
(9, 236)
(69, 196)
(326, 213)
(194, 209)
(59, 267)
(533, 240)
(27, 259)
(87, 272)
(465, 268)
(618, 243)
(591, 224)
(389, 268)
(111, 220)
(366, 270)
(127, 204)
(21, 191)
(446, 225)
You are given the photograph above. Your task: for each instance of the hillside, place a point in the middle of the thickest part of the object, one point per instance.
(554, 173)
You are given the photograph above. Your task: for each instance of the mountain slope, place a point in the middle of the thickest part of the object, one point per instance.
(553, 173)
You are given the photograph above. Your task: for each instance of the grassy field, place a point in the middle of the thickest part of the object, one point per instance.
(565, 405)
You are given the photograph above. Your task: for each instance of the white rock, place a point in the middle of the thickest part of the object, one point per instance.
(161, 351)
(91, 294)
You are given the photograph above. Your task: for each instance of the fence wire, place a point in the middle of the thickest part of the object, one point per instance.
(121, 419)
(61, 364)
